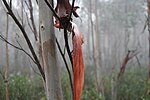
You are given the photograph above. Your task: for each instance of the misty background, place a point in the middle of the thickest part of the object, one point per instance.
(111, 29)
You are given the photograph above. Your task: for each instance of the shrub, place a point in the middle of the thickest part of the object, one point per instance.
(22, 88)
(132, 86)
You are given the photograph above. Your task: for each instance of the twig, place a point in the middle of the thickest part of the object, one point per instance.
(138, 61)
(19, 48)
(34, 69)
(31, 27)
(10, 4)
(26, 38)
(128, 57)
(71, 10)
(67, 45)
(37, 1)
(32, 19)
(65, 28)
(63, 56)
(145, 25)
(64, 50)
(52, 9)
(19, 17)
(29, 22)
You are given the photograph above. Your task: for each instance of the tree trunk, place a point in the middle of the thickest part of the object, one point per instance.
(51, 69)
(7, 62)
(148, 4)
(96, 48)
(99, 69)
(93, 46)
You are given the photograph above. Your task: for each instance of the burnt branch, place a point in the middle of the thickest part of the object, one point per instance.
(10, 12)
(67, 45)
(52, 9)
(71, 9)
(126, 59)
(63, 56)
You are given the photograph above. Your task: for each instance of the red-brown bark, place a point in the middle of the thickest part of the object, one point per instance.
(78, 64)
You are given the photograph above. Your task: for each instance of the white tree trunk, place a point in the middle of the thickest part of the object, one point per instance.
(51, 69)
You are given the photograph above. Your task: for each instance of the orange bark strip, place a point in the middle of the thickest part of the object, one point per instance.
(78, 64)
(57, 25)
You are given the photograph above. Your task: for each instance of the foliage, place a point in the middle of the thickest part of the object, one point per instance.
(89, 91)
(132, 86)
(66, 86)
(22, 88)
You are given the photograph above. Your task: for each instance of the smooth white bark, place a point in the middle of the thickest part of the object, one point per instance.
(51, 69)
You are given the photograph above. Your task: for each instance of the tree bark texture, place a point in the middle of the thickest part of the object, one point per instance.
(51, 69)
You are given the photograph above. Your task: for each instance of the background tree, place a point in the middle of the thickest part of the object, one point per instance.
(119, 28)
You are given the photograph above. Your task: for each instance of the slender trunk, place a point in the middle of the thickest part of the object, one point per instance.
(113, 89)
(126, 28)
(98, 52)
(93, 46)
(148, 1)
(51, 69)
(22, 22)
(32, 20)
(7, 63)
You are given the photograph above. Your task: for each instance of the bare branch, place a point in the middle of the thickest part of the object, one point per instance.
(32, 19)
(19, 48)
(138, 61)
(145, 25)
(37, 1)
(34, 69)
(127, 58)
(71, 10)
(10, 4)
(67, 45)
(65, 28)
(33, 27)
(26, 37)
(52, 9)
(63, 56)
(19, 17)
(29, 23)
(133, 54)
